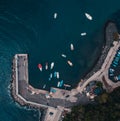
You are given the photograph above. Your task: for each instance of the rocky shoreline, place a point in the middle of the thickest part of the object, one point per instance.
(18, 99)
(106, 47)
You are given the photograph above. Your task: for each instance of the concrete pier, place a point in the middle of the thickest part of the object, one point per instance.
(25, 94)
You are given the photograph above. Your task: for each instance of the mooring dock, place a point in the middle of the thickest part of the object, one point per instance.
(25, 94)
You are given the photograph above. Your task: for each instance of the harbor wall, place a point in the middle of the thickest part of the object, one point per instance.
(106, 47)
(17, 98)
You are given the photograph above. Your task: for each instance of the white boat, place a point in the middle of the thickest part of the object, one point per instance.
(61, 83)
(57, 75)
(70, 63)
(55, 15)
(52, 65)
(40, 69)
(46, 66)
(83, 33)
(71, 46)
(67, 85)
(44, 86)
(88, 16)
(58, 84)
(63, 55)
(51, 75)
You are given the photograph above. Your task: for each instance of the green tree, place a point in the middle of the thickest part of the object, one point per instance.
(106, 109)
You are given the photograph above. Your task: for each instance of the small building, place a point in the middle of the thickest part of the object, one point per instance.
(98, 91)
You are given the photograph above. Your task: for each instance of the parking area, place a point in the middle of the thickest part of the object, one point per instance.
(114, 70)
(53, 114)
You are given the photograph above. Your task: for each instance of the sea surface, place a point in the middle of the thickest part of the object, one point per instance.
(28, 26)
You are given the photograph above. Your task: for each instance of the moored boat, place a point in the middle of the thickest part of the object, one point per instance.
(57, 75)
(46, 66)
(61, 83)
(40, 67)
(52, 65)
(67, 85)
(71, 46)
(70, 63)
(51, 75)
(63, 55)
(83, 33)
(55, 15)
(88, 16)
(58, 84)
(44, 86)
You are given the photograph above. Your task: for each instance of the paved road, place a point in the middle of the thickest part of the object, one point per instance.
(107, 62)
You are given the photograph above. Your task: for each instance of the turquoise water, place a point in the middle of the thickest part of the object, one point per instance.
(29, 27)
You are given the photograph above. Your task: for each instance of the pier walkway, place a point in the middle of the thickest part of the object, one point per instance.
(25, 94)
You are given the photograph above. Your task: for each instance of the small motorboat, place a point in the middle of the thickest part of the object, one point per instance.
(83, 33)
(51, 75)
(88, 16)
(61, 83)
(58, 84)
(70, 63)
(71, 46)
(67, 85)
(57, 75)
(46, 66)
(40, 67)
(52, 65)
(63, 55)
(44, 86)
(55, 15)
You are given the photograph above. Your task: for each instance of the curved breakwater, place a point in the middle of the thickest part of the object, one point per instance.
(106, 47)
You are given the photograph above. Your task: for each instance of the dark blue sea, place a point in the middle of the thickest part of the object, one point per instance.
(28, 26)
